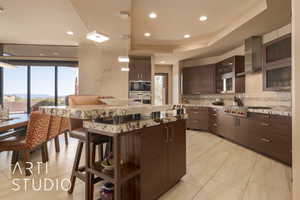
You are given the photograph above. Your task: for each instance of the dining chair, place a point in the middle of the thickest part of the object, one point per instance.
(36, 135)
(54, 132)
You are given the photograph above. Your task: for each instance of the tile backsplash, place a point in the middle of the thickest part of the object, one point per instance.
(254, 95)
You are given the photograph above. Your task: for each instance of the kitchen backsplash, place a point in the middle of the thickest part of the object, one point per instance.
(273, 99)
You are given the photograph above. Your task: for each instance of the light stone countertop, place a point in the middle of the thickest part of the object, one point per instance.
(94, 111)
(273, 111)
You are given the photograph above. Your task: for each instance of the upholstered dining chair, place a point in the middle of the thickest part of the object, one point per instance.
(36, 135)
(54, 132)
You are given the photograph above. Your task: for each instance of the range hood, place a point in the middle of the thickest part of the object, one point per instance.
(253, 54)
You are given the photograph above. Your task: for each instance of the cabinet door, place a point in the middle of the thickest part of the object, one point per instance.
(226, 125)
(198, 118)
(147, 71)
(153, 162)
(177, 152)
(139, 68)
(131, 70)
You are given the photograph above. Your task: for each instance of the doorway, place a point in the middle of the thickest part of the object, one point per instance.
(161, 81)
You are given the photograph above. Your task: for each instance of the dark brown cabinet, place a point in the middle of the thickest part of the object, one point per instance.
(140, 68)
(270, 135)
(198, 118)
(277, 64)
(198, 80)
(213, 120)
(230, 75)
(163, 158)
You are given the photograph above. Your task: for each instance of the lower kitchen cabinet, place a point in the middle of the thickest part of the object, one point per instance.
(163, 158)
(270, 135)
(198, 118)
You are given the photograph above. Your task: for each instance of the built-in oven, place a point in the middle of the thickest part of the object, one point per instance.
(136, 86)
(142, 97)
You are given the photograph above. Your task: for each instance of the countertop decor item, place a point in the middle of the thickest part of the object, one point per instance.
(107, 191)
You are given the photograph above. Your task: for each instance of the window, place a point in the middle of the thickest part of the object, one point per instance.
(15, 89)
(42, 87)
(67, 83)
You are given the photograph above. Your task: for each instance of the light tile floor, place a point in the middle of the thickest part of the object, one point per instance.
(216, 170)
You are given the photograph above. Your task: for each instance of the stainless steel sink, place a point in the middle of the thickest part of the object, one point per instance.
(259, 107)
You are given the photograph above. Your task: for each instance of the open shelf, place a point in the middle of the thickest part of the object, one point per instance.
(128, 171)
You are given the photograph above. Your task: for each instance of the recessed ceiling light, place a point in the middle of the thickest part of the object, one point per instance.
(153, 15)
(187, 36)
(162, 62)
(147, 34)
(203, 18)
(97, 37)
(70, 32)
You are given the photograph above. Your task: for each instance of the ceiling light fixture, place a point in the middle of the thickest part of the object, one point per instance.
(6, 65)
(97, 37)
(187, 36)
(70, 32)
(153, 15)
(162, 62)
(203, 18)
(125, 69)
(147, 34)
(123, 59)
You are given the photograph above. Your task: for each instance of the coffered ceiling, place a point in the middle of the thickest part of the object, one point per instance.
(229, 23)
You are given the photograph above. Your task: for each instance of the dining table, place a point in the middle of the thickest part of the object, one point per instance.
(13, 125)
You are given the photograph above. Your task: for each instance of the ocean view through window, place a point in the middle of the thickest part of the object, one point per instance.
(42, 86)
(15, 89)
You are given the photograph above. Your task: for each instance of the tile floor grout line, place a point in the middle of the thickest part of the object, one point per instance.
(223, 163)
(249, 179)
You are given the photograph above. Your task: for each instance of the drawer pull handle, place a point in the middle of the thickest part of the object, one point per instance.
(214, 114)
(265, 124)
(265, 140)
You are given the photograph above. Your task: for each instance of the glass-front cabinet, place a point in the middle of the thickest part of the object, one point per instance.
(277, 64)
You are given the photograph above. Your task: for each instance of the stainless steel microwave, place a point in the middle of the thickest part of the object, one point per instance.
(139, 86)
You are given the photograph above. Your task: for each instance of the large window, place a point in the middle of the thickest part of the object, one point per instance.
(25, 88)
(15, 89)
(67, 83)
(42, 87)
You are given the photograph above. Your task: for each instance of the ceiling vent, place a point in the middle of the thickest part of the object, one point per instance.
(253, 54)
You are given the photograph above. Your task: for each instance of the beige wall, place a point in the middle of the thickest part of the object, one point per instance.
(100, 72)
(296, 98)
(166, 69)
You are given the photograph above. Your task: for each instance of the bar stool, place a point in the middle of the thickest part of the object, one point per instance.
(77, 171)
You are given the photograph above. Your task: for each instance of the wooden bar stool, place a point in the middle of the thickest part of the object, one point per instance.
(77, 171)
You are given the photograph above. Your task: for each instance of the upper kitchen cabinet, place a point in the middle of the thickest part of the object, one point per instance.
(198, 80)
(230, 75)
(277, 64)
(140, 68)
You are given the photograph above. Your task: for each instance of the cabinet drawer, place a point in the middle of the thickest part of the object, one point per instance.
(197, 124)
(276, 146)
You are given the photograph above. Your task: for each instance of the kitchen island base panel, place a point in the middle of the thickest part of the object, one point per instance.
(148, 161)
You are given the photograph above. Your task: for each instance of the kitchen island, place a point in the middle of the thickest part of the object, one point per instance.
(149, 147)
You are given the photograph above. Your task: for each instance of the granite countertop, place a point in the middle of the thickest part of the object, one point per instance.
(94, 111)
(112, 129)
(283, 111)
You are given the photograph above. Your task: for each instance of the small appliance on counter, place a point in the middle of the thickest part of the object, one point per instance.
(107, 191)
(218, 102)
